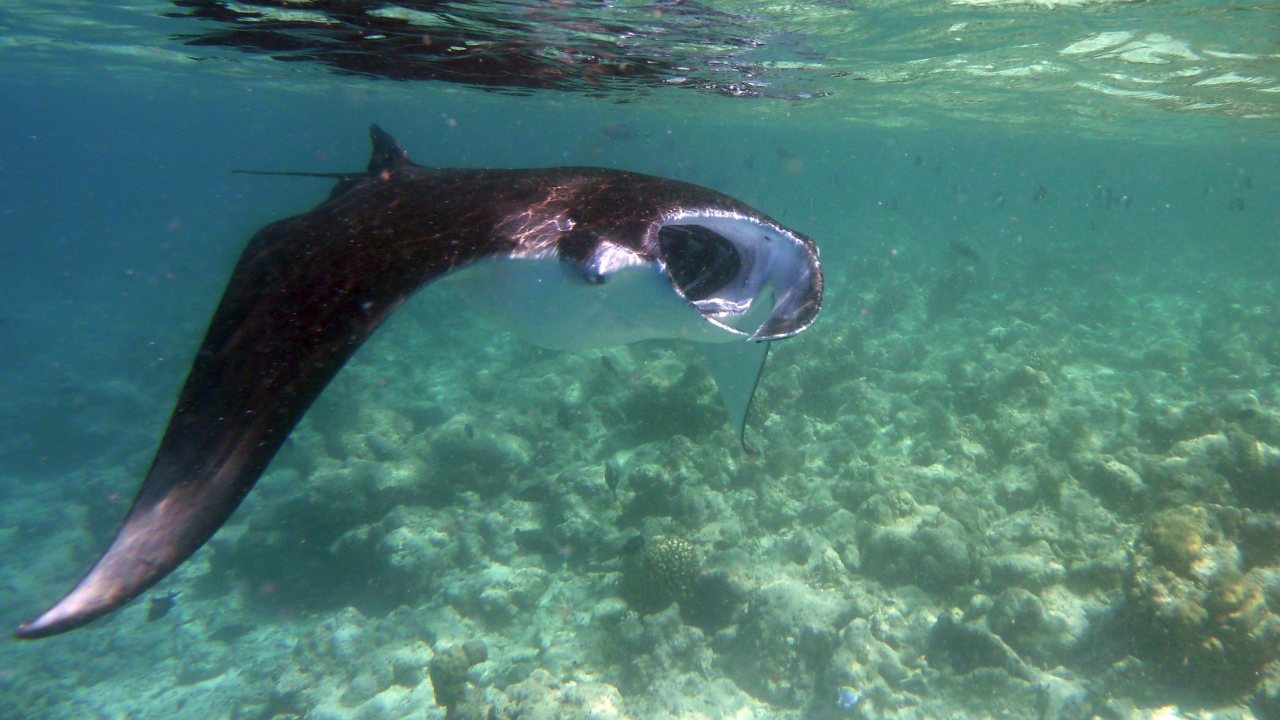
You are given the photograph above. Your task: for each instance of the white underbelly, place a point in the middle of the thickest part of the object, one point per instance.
(548, 303)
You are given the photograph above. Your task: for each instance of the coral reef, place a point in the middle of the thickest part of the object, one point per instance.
(448, 670)
(1199, 616)
(665, 572)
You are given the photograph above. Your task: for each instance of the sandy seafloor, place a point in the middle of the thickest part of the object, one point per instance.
(1035, 474)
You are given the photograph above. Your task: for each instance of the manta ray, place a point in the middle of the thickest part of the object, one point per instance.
(568, 257)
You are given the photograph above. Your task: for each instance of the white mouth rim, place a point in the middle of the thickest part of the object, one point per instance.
(791, 263)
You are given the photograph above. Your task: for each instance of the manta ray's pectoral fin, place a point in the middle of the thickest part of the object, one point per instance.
(305, 294)
(736, 366)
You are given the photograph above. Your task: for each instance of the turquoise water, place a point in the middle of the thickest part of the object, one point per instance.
(1025, 464)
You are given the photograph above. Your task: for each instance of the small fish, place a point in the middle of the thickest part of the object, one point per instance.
(997, 197)
(847, 698)
(381, 447)
(965, 250)
(537, 541)
(231, 633)
(1041, 192)
(161, 605)
(620, 132)
(632, 546)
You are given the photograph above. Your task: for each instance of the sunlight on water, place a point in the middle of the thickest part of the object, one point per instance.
(1100, 67)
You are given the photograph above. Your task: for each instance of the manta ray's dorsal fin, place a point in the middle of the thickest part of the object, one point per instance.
(387, 156)
(387, 153)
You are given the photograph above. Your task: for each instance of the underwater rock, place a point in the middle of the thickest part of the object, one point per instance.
(713, 603)
(1260, 539)
(1034, 631)
(902, 542)
(408, 551)
(1164, 423)
(372, 432)
(1030, 570)
(950, 289)
(542, 697)
(672, 395)
(584, 511)
(865, 663)
(1168, 354)
(1253, 470)
(674, 478)
(967, 646)
(1118, 486)
(785, 639)
(469, 455)
(498, 593)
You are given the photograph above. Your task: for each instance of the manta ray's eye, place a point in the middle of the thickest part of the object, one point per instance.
(700, 260)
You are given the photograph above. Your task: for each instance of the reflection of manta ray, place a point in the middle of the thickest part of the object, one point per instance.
(564, 257)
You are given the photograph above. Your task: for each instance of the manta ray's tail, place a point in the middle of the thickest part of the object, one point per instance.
(332, 176)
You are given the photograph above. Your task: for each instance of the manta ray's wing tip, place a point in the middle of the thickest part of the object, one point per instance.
(67, 614)
(152, 542)
(108, 586)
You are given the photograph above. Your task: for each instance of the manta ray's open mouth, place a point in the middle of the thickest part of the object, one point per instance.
(722, 263)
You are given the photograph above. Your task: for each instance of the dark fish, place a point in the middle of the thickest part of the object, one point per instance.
(620, 132)
(749, 162)
(382, 448)
(537, 541)
(610, 366)
(159, 606)
(230, 633)
(919, 161)
(632, 546)
(1040, 193)
(1108, 199)
(612, 474)
(997, 197)
(1236, 204)
(965, 250)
